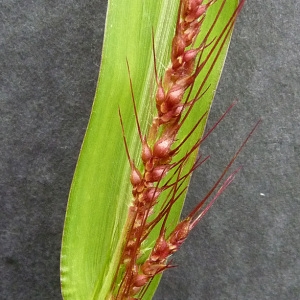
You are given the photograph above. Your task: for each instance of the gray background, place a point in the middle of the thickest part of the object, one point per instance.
(247, 247)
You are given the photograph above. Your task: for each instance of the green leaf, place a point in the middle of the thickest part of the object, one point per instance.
(101, 192)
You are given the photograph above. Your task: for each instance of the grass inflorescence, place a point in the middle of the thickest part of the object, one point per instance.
(160, 148)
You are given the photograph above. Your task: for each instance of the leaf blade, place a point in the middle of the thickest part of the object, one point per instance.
(97, 211)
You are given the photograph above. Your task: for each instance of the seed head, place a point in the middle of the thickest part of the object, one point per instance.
(158, 156)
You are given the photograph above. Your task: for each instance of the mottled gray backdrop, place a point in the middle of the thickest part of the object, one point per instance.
(248, 245)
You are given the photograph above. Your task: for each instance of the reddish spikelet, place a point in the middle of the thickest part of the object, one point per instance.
(158, 154)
